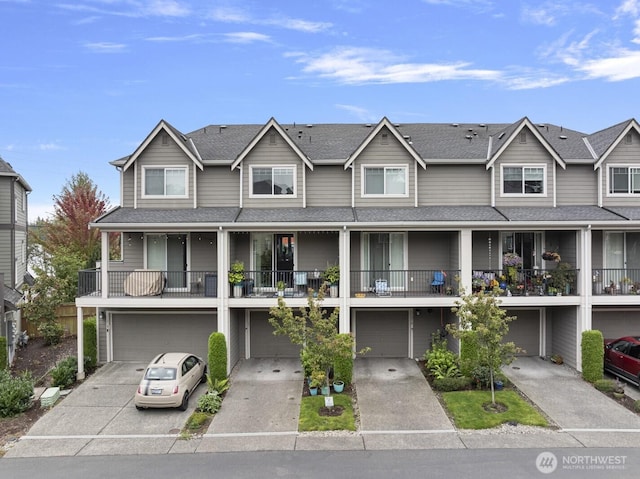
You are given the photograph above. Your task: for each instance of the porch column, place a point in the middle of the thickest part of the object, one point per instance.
(224, 323)
(104, 264)
(80, 344)
(585, 290)
(345, 279)
(465, 254)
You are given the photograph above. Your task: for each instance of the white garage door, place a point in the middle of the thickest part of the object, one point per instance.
(525, 331)
(615, 324)
(265, 344)
(140, 337)
(385, 332)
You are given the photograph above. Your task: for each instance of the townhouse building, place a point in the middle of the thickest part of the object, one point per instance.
(410, 214)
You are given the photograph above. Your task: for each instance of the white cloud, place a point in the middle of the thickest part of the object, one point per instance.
(630, 7)
(105, 47)
(167, 8)
(534, 80)
(231, 15)
(49, 147)
(178, 39)
(625, 65)
(539, 15)
(40, 210)
(365, 65)
(134, 9)
(246, 37)
(360, 113)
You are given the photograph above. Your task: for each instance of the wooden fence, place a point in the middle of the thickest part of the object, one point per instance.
(66, 316)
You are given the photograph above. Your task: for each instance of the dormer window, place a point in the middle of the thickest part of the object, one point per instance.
(273, 181)
(624, 180)
(523, 180)
(166, 182)
(384, 180)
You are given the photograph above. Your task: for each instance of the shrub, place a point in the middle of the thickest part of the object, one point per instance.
(64, 374)
(90, 343)
(605, 385)
(4, 362)
(452, 384)
(592, 355)
(636, 406)
(218, 385)
(217, 356)
(197, 419)
(51, 332)
(441, 362)
(468, 352)
(15, 393)
(481, 376)
(343, 367)
(210, 402)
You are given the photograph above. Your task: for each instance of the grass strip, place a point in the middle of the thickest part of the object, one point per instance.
(311, 420)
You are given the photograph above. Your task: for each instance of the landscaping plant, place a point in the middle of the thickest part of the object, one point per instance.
(440, 361)
(482, 314)
(15, 393)
(64, 374)
(592, 355)
(3, 353)
(210, 402)
(217, 356)
(90, 343)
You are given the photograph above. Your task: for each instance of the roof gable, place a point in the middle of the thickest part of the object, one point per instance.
(404, 142)
(511, 133)
(272, 123)
(185, 144)
(630, 125)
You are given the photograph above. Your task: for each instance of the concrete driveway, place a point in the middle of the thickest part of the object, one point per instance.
(101, 409)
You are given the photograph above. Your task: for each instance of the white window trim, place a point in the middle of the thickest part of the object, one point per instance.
(545, 192)
(363, 182)
(165, 168)
(295, 181)
(608, 180)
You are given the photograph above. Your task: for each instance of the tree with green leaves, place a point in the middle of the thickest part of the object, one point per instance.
(481, 313)
(315, 331)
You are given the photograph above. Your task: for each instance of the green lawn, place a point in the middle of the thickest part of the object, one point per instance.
(466, 408)
(311, 420)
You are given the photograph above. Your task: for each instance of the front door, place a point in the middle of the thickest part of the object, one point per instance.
(273, 253)
(168, 253)
(527, 244)
(384, 259)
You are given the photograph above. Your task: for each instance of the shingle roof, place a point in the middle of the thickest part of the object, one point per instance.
(560, 213)
(428, 213)
(297, 215)
(169, 216)
(601, 140)
(628, 212)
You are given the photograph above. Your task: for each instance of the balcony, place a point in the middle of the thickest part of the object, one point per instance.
(528, 282)
(613, 281)
(404, 283)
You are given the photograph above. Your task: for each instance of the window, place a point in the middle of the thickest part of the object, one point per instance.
(385, 181)
(624, 180)
(274, 181)
(165, 181)
(523, 180)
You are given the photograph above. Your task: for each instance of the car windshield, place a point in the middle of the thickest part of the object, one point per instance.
(160, 374)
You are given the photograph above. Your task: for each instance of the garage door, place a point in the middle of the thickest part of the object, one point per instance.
(615, 324)
(264, 344)
(525, 331)
(385, 332)
(140, 337)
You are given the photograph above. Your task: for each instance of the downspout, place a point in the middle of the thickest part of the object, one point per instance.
(241, 184)
(135, 185)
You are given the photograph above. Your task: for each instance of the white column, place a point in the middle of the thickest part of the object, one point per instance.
(80, 344)
(104, 264)
(345, 279)
(465, 255)
(585, 290)
(224, 322)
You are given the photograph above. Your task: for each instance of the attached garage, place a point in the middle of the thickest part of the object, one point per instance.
(264, 344)
(385, 332)
(525, 331)
(139, 336)
(616, 323)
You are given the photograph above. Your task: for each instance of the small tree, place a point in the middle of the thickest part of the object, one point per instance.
(217, 356)
(482, 314)
(316, 332)
(592, 347)
(90, 345)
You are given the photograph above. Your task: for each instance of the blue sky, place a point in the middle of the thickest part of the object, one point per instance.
(82, 83)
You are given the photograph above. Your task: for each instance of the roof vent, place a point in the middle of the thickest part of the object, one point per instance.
(541, 125)
(482, 125)
(455, 125)
(562, 137)
(500, 136)
(309, 126)
(468, 137)
(368, 125)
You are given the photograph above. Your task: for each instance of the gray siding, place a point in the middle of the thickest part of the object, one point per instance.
(277, 154)
(432, 250)
(486, 250)
(564, 326)
(6, 205)
(127, 179)
(597, 249)
(203, 252)
(218, 186)
(234, 340)
(626, 154)
(6, 256)
(531, 152)
(102, 340)
(157, 154)
(329, 186)
(426, 324)
(454, 185)
(392, 154)
(577, 185)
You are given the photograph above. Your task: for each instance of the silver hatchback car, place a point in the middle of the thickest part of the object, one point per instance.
(169, 381)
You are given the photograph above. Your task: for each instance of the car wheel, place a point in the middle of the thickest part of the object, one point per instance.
(203, 379)
(185, 401)
(139, 408)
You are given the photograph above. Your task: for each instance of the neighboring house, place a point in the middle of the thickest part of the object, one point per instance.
(13, 249)
(409, 213)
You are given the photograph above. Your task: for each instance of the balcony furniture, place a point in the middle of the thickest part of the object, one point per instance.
(300, 279)
(382, 288)
(211, 285)
(144, 282)
(437, 285)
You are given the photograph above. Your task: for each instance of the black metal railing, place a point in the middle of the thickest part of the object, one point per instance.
(528, 282)
(404, 283)
(615, 281)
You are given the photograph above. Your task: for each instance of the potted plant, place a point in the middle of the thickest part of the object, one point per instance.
(597, 283)
(563, 277)
(317, 380)
(236, 277)
(332, 276)
(280, 286)
(626, 285)
(338, 385)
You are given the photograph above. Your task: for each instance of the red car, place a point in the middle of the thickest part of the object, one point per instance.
(622, 358)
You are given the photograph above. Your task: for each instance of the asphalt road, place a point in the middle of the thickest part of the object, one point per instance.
(477, 463)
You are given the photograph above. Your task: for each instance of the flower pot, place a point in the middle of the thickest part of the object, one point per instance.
(313, 391)
(237, 290)
(324, 390)
(498, 385)
(338, 386)
(333, 290)
(281, 293)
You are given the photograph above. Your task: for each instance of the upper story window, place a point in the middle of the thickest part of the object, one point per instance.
(523, 180)
(165, 181)
(384, 180)
(624, 180)
(273, 181)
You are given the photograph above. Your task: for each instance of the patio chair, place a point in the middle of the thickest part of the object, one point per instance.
(300, 279)
(437, 285)
(382, 288)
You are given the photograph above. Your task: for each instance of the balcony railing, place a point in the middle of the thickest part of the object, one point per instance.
(404, 283)
(616, 281)
(527, 282)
